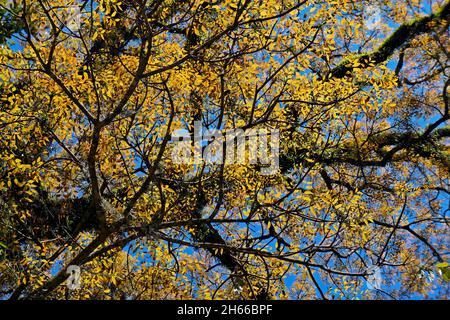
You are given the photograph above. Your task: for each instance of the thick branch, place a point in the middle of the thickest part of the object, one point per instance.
(405, 33)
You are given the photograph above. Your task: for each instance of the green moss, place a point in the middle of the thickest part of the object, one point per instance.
(401, 36)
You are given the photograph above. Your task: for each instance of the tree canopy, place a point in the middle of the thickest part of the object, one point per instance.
(91, 93)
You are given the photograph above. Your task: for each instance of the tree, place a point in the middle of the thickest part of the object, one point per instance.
(92, 91)
(9, 24)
